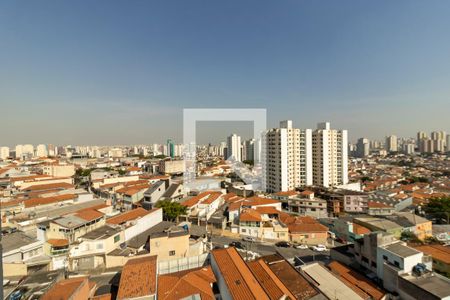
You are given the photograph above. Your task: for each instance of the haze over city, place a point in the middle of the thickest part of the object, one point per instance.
(114, 72)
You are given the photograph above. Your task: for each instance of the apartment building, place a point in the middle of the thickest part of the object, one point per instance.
(287, 161)
(234, 149)
(330, 156)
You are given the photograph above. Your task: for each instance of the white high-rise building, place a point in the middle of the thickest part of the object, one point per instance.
(24, 151)
(41, 150)
(448, 142)
(330, 156)
(287, 158)
(391, 143)
(234, 147)
(4, 152)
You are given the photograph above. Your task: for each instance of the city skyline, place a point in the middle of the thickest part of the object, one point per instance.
(373, 69)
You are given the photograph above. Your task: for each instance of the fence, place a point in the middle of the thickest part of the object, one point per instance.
(181, 264)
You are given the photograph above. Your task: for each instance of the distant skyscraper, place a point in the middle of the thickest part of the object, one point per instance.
(448, 142)
(234, 147)
(41, 150)
(287, 161)
(24, 151)
(420, 136)
(170, 148)
(330, 156)
(248, 150)
(439, 140)
(408, 148)
(362, 147)
(4, 152)
(392, 143)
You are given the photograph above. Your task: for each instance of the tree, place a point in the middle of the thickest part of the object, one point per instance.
(171, 210)
(366, 178)
(438, 208)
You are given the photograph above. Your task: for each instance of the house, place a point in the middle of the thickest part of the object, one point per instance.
(201, 207)
(357, 282)
(164, 239)
(306, 230)
(234, 278)
(187, 284)
(411, 222)
(19, 248)
(73, 226)
(136, 221)
(294, 281)
(379, 209)
(138, 279)
(90, 250)
(328, 284)
(302, 203)
(131, 195)
(72, 288)
(380, 224)
(262, 223)
(440, 255)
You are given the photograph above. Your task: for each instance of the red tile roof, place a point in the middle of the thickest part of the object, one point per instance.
(359, 229)
(271, 284)
(183, 284)
(138, 278)
(49, 186)
(129, 216)
(249, 215)
(48, 200)
(372, 204)
(205, 197)
(58, 242)
(89, 215)
(65, 289)
(438, 252)
(240, 281)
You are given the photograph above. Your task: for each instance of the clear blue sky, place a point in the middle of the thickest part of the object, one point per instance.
(119, 72)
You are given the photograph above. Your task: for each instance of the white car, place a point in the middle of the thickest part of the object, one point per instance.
(319, 248)
(300, 246)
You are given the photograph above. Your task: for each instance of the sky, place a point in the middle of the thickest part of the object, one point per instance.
(121, 72)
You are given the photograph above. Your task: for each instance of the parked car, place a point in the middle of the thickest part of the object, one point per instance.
(300, 246)
(283, 244)
(319, 248)
(249, 239)
(236, 244)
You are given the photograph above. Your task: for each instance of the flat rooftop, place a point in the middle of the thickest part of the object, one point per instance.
(101, 233)
(329, 284)
(401, 250)
(432, 283)
(16, 240)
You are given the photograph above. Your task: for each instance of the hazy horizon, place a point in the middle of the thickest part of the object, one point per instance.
(116, 72)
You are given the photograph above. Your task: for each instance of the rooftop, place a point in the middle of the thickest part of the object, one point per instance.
(432, 283)
(103, 232)
(65, 289)
(184, 284)
(328, 284)
(292, 279)
(438, 252)
(138, 278)
(16, 240)
(401, 250)
(237, 276)
(129, 216)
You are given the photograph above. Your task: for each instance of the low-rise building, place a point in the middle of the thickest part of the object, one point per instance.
(139, 279)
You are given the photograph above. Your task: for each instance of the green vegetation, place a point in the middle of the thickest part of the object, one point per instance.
(83, 172)
(121, 172)
(161, 156)
(410, 237)
(439, 208)
(171, 210)
(366, 178)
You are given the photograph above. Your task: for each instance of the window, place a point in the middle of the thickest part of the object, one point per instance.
(117, 238)
(397, 264)
(172, 253)
(99, 246)
(385, 257)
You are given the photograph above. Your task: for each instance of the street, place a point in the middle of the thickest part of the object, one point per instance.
(266, 248)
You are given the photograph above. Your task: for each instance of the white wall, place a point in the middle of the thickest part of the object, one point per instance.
(144, 223)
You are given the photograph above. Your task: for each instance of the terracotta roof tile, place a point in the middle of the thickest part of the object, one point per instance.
(65, 289)
(138, 278)
(240, 281)
(48, 200)
(58, 242)
(129, 216)
(249, 215)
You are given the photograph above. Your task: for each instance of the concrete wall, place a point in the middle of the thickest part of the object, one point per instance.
(14, 269)
(144, 223)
